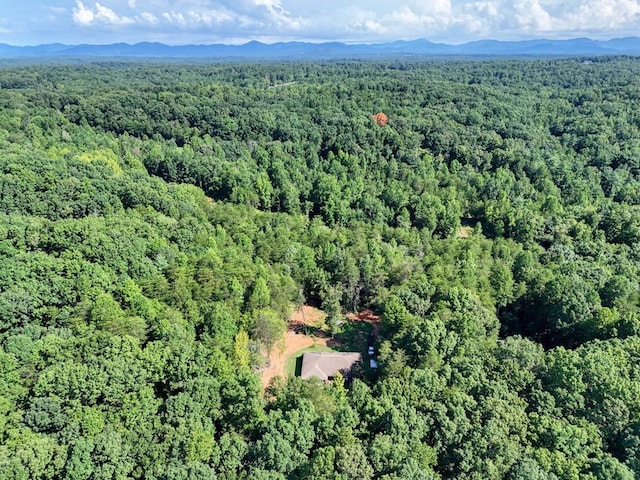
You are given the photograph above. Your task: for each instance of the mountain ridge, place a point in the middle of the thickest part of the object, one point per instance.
(331, 50)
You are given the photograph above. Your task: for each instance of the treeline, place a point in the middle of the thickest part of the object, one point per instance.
(158, 224)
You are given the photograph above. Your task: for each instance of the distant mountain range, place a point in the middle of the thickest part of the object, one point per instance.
(332, 50)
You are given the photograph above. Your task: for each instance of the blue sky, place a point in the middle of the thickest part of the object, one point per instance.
(28, 22)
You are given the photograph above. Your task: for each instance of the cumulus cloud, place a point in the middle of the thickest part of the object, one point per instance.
(149, 18)
(279, 16)
(86, 16)
(361, 20)
(532, 16)
(176, 18)
(605, 14)
(368, 27)
(412, 20)
(219, 20)
(435, 7)
(82, 15)
(106, 15)
(563, 17)
(204, 18)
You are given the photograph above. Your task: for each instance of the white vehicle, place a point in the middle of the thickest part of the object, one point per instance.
(371, 351)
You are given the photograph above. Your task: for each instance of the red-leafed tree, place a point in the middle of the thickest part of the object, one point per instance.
(381, 118)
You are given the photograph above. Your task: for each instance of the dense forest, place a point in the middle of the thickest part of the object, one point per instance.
(159, 223)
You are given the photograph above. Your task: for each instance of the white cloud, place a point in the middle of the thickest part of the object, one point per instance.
(85, 16)
(434, 7)
(513, 19)
(531, 16)
(455, 21)
(203, 18)
(281, 17)
(210, 17)
(269, 3)
(251, 18)
(412, 20)
(373, 27)
(107, 15)
(149, 18)
(481, 18)
(175, 18)
(82, 15)
(605, 14)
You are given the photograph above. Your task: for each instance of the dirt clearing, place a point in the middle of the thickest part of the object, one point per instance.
(307, 315)
(464, 232)
(294, 342)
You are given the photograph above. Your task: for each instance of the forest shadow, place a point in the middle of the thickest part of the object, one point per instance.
(311, 331)
(298, 369)
(353, 337)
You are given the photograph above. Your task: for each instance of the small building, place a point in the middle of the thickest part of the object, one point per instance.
(325, 365)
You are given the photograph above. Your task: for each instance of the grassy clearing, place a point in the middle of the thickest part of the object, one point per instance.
(354, 337)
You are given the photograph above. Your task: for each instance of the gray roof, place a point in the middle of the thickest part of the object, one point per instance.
(325, 364)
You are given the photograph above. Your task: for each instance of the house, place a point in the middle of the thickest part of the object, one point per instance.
(325, 365)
